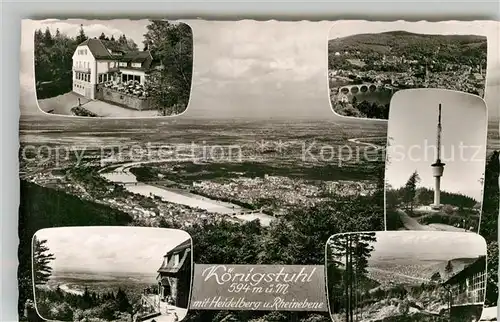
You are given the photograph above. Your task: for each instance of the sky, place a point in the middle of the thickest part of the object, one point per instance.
(134, 29)
(266, 69)
(413, 140)
(425, 245)
(110, 249)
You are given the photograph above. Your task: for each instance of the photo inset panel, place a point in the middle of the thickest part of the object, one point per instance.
(406, 276)
(366, 69)
(113, 68)
(112, 273)
(435, 162)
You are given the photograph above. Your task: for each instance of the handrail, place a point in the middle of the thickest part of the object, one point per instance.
(154, 306)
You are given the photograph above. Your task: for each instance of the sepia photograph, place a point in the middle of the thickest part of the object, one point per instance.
(258, 169)
(366, 69)
(429, 276)
(435, 161)
(114, 68)
(112, 274)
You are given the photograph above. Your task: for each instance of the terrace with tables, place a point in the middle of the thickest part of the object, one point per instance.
(131, 87)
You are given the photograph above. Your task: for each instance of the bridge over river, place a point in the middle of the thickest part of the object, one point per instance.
(364, 88)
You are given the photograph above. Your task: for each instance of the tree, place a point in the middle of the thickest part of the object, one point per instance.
(47, 37)
(436, 277)
(489, 224)
(131, 45)
(81, 36)
(411, 190)
(41, 260)
(112, 38)
(171, 45)
(102, 36)
(351, 251)
(492, 274)
(122, 40)
(449, 268)
(122, 301)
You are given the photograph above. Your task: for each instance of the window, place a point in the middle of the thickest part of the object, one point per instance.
(176, 260)
(136, 65)
(101, 78)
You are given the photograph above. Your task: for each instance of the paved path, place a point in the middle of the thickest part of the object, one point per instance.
(412, 224)
(104, 109)
(360, 141)
(62, 105)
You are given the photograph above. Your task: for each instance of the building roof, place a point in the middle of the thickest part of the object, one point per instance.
(142, 57)
(168, 265)
(114, 46)
(97, 48)
(477, 266)
(179, 248)
(100, 49)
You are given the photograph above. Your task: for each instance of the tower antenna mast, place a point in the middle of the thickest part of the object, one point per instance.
(439, 129)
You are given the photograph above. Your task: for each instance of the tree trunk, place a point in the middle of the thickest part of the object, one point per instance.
(346, 279)
(351, 282)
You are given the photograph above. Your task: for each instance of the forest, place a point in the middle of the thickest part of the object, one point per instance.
(298, 237)
(363, 109)
(453, 49)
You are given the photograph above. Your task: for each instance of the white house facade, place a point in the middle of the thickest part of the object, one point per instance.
(95, 63)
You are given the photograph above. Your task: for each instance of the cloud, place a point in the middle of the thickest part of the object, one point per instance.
(93, 28)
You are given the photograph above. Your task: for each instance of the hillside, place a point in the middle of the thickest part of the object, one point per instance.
(412, 45)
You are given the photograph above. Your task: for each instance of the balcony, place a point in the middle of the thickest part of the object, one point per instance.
(81, 69)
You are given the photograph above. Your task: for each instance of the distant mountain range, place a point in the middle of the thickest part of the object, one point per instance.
(390, 271)
(402, 42)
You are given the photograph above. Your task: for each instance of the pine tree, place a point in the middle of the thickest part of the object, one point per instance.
(449, 268)
(38, 37)
(122, 40)
(354, 249)
(102, 36)
(122, 301)
(81, 35)
(411, 189)
(41, 260)
(47, 37)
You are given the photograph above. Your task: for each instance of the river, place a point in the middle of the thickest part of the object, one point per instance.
(128, 180)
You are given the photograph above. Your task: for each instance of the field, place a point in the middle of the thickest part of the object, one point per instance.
(76, 282)
(317, 150)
